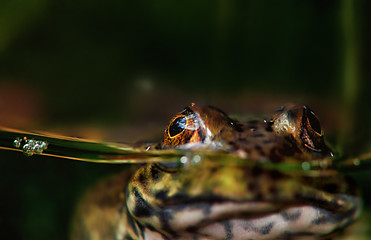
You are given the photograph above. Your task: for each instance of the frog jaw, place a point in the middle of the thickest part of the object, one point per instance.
(205, 207)
(246, 220)
(293, 221)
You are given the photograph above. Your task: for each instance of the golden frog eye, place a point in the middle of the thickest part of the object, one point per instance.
(183, 128)
(177, 126)
(300, 124)
(313, 122)
(311, 131)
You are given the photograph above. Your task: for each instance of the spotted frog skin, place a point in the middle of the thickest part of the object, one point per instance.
(223, 199)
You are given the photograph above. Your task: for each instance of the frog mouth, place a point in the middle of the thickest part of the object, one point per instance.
(255, 219)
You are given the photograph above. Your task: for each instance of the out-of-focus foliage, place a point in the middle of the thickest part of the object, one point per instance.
(17, 17)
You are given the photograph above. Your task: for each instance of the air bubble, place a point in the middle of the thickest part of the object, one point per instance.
(196, 159)
(17, 143)
(184, 159)
(30, 146)
(28, 150)
(43, 145)
(38, 149)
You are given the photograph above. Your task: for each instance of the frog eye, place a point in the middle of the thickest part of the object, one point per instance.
(300, 124)
(183, 128)
(311, 133)
(177, 126)
(313, 122)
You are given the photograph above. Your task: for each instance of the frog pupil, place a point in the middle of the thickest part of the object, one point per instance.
(177, 126)
(314, 122)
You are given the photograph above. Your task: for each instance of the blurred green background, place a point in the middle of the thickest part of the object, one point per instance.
(118, 70)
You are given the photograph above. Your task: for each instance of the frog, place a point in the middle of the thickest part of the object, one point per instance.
(221, 188)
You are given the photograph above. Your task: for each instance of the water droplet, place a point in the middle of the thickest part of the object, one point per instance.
(42, 144)
(37, 149)
(17, 143)
(196, 159)
(27, 150)
(31, 146)
(184, 159)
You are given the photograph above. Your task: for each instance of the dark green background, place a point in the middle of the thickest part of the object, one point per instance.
(117, 64)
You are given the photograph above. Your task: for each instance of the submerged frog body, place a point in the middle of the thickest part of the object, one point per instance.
(225, 199)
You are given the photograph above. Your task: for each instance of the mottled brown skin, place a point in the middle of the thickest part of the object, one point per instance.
(101, 207)
(168, 201)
